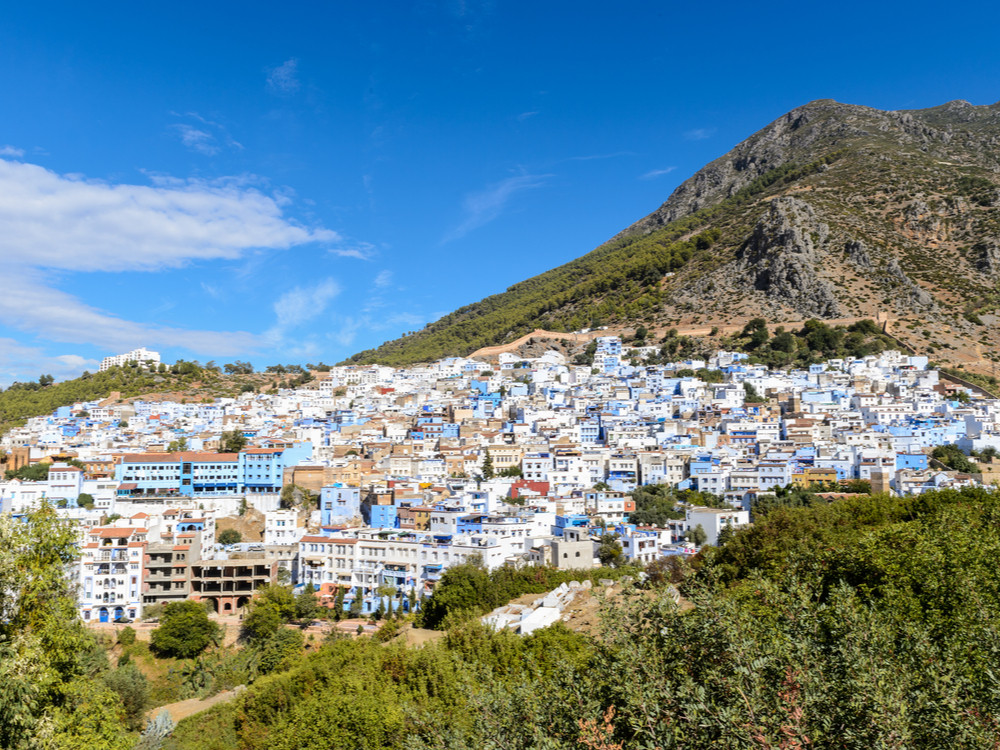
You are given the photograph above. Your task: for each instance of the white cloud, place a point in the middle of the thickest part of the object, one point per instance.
(62, 223)
(484, 206)
(656, 173)
(300, 305)
(30, 305)
(526, 115)
(383, 279)
(699, 134)
(284, 79)
(20, 362)
(11, 151)
(56, 221)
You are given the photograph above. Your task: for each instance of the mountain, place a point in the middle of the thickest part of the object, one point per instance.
(833, 211)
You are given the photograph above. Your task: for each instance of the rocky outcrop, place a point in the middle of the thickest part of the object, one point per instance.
(899, 279)
(857, 253)
(780, 259)
(987, 257)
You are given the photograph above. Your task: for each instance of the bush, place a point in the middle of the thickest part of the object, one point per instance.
(230, 536)
(126, 636)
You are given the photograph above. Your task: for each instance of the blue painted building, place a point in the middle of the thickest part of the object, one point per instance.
(262, 470)
(339, 503)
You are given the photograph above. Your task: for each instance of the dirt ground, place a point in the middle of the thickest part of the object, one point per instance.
(192, 706)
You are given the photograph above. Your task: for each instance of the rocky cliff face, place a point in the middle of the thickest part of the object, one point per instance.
(781, 257)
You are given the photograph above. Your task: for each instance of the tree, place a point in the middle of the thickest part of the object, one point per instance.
(953, 457)
(185, 630)
(697, 536)
(261, 623)
(31, 472)
(488, 472)
(85, 500)
(230, 536)
(306, 605)
(338, 605)
(272, 607)
(609, 550)
(176, 446)
(232, 441)
(354, 610)
(132, 689)
(48, 660)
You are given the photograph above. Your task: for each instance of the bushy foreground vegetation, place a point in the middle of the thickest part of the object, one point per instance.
(865, 622)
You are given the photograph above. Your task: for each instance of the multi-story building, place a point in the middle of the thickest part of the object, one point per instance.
(167, 573)
(111, 574)
(142, 355)
(262, 470)
(229, 584)
(185, 473)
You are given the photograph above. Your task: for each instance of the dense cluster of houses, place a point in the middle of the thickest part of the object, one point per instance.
(401, 473)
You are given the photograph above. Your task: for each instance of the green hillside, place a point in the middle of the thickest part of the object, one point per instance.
(21, 401)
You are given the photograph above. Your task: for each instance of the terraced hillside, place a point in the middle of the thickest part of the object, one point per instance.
(831, 211)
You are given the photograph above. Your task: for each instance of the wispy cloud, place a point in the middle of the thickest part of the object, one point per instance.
(346, 327)
(11, 151)
(526, 115)
(359, 250)
(699, 134)
(653, 173)
(197, 140)
(300, 305)
(206, 137)
(284, 78)
(592, 157)
(211, 290)
(383, 279)
(52, 222)
(486, 205)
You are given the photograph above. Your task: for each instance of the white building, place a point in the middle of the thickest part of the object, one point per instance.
(141, 355)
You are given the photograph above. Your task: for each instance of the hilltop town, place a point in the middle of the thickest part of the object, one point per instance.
(369, 482)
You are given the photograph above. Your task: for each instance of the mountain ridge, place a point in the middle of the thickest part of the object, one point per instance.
(831, 210)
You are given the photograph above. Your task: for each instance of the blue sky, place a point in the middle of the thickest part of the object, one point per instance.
(296, 182)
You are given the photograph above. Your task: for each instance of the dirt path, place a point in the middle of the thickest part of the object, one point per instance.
(192, 706)
(538, 333)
